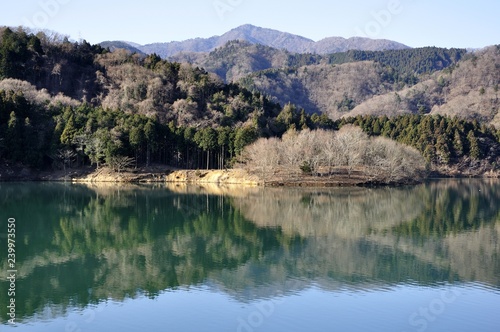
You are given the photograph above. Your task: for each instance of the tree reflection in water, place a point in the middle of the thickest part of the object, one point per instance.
(83, 245)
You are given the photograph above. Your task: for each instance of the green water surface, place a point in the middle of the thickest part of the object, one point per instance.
(185, 258)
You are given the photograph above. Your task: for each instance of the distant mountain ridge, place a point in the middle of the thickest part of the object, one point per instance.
(113, 45)
(273, 38)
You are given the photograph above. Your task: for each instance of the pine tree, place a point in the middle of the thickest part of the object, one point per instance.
(150, 133)
(136, 139)
(474, 150)
(69, 132)
(14, 137)
(244, 136)
(442, 150)
(458, 146)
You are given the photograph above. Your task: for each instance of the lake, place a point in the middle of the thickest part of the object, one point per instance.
(190, 258)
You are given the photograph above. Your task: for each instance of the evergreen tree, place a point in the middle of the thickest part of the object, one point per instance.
(442, 151)
(458, 146)
(474, 150)
(150, 134)
(14, 137)
(207, 141)
(243, 137)
(69, 132)
(136, 139)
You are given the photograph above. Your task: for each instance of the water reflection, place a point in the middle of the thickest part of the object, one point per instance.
(80, 245)
(437, 232)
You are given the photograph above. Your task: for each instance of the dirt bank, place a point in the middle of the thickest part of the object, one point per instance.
(163, 174)
(232, 176)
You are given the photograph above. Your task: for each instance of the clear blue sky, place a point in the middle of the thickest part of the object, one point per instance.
(444, 23)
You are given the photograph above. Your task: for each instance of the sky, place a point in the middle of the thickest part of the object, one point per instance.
(416, 23)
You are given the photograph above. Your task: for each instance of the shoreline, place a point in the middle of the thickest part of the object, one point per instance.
(162, 174)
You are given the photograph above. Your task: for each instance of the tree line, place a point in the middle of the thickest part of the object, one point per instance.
(64, 135)
(442, 140)
(405, 64)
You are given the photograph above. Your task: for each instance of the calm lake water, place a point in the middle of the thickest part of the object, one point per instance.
(185, 258)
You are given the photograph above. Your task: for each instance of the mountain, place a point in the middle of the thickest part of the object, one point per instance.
(451, 82)
(469, 90)
(339, 44)
(272, 38)
(114, 45)
(238, 59)
(323, 88)
(336, 83)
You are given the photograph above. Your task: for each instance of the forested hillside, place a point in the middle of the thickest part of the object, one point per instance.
(69, 104)
(333, 90)
(123, 105)
(334, 84)
(337, 84)
(468, 89)
(51, 62)
(405, 62)
(238, 59)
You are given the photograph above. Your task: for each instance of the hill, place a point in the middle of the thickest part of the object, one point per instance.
(56, 65)
(70, 104)
(468, 89)
(114, 45)
(67, 104)
(238, 59)
(272, 38)
(336, 84)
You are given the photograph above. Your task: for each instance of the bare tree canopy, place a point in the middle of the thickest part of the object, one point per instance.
(323, 153)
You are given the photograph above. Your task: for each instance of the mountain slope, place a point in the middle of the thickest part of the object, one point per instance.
(469, 90)
(323, 88)
(237, 59)
(339, 44)
(272, 38)
(338, 83)
(61, 101)
(114, 45)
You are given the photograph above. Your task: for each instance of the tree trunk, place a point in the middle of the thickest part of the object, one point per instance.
(222, 158)
(148, 156)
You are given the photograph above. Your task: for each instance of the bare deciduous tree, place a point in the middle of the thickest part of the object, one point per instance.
(264, 156)
(120, 163)
(66, 156)
(377, 159)
(351, 146)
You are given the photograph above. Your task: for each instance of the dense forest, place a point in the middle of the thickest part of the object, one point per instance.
(406, 62)
(69, 104)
